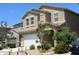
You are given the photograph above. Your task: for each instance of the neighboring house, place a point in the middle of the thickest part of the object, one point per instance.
(15, 30)
(18, 25)
(3, 41)
(46, 14)
(12, 38)
(6, 36)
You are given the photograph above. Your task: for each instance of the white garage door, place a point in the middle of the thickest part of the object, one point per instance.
(30, 39)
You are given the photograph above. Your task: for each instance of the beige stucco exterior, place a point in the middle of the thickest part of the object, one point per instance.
(29, 31)
(61, 15)
(43, 18)
(37, 19)
(33, 26)
(65, 16)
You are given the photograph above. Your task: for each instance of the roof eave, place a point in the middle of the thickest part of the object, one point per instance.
(27, 14)
(60, 8)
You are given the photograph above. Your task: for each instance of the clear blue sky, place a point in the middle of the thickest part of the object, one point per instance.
(12, 13)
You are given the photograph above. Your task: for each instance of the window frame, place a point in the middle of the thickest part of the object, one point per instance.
(27, 23)
(57, 16)
(31, 20)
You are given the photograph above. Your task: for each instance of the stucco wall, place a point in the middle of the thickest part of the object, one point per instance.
(42, 18)
(30, 27)
(61, 14)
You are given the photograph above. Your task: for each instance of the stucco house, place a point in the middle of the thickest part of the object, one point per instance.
(6, 37)
(53, 15)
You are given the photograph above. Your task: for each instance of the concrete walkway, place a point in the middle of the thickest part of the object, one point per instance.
(8, 51)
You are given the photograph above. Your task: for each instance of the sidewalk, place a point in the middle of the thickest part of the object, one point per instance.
(13, 51)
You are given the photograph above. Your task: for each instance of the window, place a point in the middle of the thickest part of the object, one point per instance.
(56, 19)
(32, 20)
(56, 16)
(27, 21)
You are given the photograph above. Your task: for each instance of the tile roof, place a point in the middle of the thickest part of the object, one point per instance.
(37, 11)
(18, 25)
(59, 8)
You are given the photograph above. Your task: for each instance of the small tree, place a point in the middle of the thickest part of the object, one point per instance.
(61, 48)
(65, 35)
(64, 38)
(6, 36)
(44, 34)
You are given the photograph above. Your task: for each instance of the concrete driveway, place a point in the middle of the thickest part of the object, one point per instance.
(13, 51)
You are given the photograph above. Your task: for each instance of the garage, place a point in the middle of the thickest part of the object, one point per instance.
(30, 39)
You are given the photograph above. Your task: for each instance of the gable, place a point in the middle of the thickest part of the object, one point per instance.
(52, 8)
(29, 14)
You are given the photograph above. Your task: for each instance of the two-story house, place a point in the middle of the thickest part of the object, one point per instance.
(54, 15)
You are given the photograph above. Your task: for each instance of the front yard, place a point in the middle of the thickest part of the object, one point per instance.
(14, 51)
(47, 36)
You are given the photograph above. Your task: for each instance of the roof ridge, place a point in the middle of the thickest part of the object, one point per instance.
(63, 8)
(39, 10)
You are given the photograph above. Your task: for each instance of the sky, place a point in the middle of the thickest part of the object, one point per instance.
(13, 12)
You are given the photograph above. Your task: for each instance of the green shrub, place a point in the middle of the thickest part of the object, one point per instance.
(1, 47)
(32, 47)
(46, 46)
(42, 50)
(39, 47)
(61, 48)
(12, 45)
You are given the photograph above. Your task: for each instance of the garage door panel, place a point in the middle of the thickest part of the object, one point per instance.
(30, 36)
(30, 39)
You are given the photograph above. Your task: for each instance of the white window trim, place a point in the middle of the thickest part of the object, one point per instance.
(26, 21)
(30, 20)
(54, 17)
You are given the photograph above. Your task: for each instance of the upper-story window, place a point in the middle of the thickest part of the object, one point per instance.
(32, 20)
(56, 16)
(27, 21)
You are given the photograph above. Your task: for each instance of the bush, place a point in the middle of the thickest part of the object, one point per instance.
(46, 46)
(12, 45)
(42, 50)
(32, 47)
(61, 48)
(1, 47)
(39, 47)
